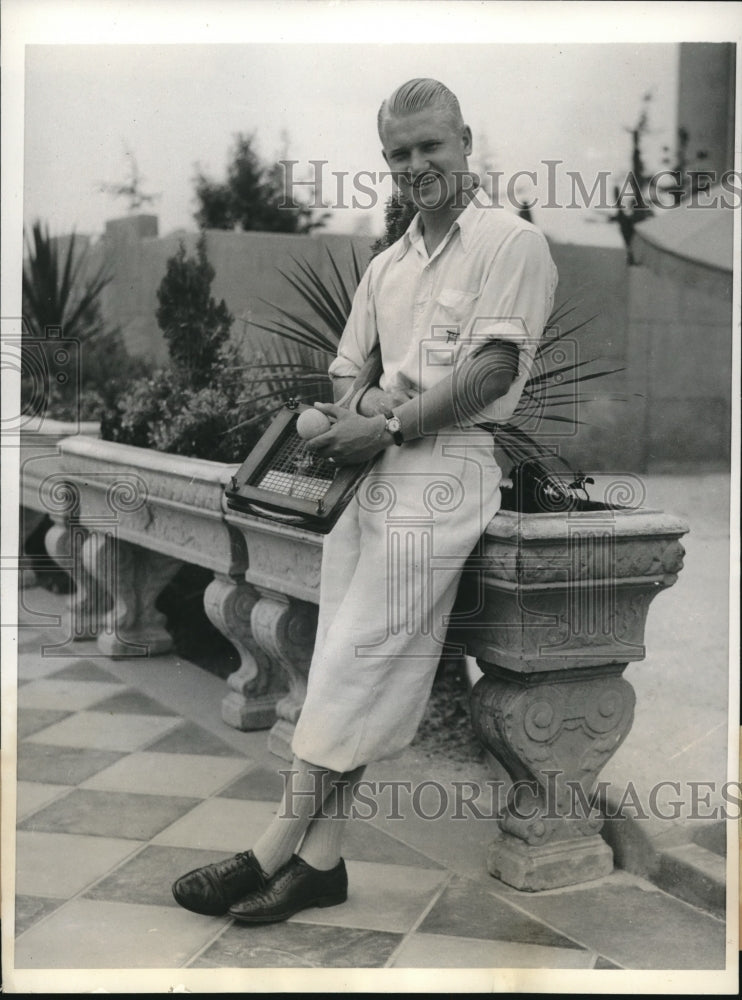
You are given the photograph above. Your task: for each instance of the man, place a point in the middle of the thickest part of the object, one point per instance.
(457, 307)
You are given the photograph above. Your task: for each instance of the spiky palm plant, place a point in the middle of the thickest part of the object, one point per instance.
(292, 373)
(56, 292)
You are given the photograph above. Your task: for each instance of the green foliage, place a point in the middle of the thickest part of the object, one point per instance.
(191, 407)
(195, 327)
(551, 387)
(398, 214)
(253, 197)
(306, 342)
(58, 292)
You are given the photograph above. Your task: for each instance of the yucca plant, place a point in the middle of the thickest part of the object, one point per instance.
(55, 291)
(295, 361)
(310, 343)
(62, 299)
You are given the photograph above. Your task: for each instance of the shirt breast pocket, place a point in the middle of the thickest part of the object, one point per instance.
(455, 306)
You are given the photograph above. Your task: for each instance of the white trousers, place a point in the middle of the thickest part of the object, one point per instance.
(390, 572)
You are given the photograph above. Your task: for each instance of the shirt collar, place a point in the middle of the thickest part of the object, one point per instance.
(466, 224)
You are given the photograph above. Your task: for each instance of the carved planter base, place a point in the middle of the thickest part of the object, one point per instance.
(257, 684)
(557, 614)
(550, 866)
(553, 733)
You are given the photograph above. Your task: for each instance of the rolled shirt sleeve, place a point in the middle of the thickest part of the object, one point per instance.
(514, 304)
(360, 334)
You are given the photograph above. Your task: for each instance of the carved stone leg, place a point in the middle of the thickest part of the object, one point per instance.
(134, 577)
(91, 599)
(552, 732)
(257, 684)
(285, 630)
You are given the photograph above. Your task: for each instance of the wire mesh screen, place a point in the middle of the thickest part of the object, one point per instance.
(293, 470)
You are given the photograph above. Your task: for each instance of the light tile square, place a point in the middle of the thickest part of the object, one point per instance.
(61, 693)
(32, 795)
(94, 934)
(101, 731)
(61, 864)
(380, 897)
(430, 951)
(32, 664)
(220, 825)
(168, 774)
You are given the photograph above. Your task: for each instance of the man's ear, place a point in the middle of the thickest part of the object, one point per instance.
(468, 143)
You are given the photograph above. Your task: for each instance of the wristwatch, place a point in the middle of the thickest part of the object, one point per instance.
(394, 426)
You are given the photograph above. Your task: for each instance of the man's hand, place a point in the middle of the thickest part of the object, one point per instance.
(352, 439)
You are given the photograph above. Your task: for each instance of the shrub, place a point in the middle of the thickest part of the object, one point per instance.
(197, 405)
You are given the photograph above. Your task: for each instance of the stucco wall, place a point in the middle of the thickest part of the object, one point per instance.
(671, 337)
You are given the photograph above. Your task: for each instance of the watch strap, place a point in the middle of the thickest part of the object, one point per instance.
(396, 434)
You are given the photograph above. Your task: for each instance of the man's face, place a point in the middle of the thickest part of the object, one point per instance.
(427, 155)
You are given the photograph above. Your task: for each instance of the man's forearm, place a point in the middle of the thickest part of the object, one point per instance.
(373, 401)
(459, 398)
(340, 386)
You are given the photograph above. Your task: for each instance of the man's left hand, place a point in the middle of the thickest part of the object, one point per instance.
(352, 439)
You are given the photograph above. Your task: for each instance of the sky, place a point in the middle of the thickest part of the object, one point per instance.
(85, 81)
(176, 108)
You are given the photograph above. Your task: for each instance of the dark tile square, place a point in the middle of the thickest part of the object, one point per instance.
(467, 909)
(30, 909)
(132, 703)
(262, 784)
(62, 765)
(85, 670)
(295, 945)
(110, 814)
(637, 927)
(364, 842)
(33, 720)
(148, 877)
(190, 738)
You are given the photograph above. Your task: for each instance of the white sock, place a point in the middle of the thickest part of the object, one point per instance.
(306, 789)
(323, 840)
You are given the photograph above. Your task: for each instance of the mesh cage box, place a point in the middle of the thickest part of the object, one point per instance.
(281, 479)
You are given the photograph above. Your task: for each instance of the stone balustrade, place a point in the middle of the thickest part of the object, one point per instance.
(553, 607)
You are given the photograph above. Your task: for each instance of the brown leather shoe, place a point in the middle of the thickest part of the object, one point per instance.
(212, 889)
(294, 887)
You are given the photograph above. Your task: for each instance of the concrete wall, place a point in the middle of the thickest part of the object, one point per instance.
(672, 336)
(680, 346)
(247, 271)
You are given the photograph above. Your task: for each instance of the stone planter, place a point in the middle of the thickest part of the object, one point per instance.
(128, 518)
(553, 611)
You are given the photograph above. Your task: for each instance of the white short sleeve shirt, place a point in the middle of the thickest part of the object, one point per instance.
(492, 277)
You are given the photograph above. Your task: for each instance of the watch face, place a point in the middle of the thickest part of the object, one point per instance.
(394, 425)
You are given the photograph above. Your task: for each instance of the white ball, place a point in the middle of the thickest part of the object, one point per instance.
(312, 422)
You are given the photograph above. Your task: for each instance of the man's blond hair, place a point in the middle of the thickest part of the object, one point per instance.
(418, 95)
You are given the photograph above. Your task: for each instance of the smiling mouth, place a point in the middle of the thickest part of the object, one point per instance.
(424, 182)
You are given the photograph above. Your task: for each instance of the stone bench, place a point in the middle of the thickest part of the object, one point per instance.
(553, 608)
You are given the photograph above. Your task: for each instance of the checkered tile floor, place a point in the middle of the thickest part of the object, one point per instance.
(118, 794)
